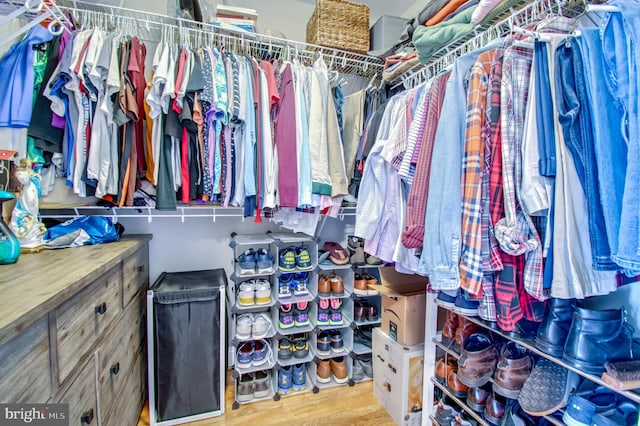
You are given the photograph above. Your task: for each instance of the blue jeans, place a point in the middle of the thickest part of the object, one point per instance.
(544, 105)
(620, 59)
(575, 117)
(610, 144)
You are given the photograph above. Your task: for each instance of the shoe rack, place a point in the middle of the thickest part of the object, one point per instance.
(344, 273)
(297, 333)
(364, 351)
(435, 347)
(245, 372)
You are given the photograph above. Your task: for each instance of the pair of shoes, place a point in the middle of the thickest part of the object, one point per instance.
(337, 254)
(365, 311)
(362, 336)
(293, 259)
(465, 304)
(253, 385)
(296, 346)
(456, 329)
(477, 398)
(254, 292)
(599, 406)
(586, 339)
(330, 285)
(361, 283)
(335, 367)
(296, 284)
(446, 412)
(252, 353)
(362, 368)
(292, 379)
(294, 315)
(330, 312)
(329, 341)
(253, 326)
(258, 261)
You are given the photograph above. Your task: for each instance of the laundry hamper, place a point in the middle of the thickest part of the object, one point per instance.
(186, 346)
(340, 24)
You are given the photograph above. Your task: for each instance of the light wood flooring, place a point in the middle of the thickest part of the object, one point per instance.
(338, 406)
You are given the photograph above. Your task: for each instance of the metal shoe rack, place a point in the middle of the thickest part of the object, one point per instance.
(527, 344)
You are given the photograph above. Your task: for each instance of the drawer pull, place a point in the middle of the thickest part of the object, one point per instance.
(140, 268)
(87, 417)
(101, 309)
(115, 369)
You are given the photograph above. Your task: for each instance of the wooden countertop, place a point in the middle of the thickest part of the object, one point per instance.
(39, 282)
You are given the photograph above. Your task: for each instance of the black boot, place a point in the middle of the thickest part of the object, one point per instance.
(597, 337)
(554, 329)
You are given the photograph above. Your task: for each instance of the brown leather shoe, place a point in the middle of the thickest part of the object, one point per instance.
(494, 409)
(456, 387)
(360, 285)
(477, 397)
(443, 368)
(337, 286)
(323, 372)
(324, 285)
(339, 370)
(449, 328)
(514, 367)
(465, 329)
(478, 360)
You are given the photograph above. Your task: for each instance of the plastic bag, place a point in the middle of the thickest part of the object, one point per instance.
(81, 231)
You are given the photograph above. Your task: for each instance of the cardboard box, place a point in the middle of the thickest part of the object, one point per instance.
(398, 378)
(403, 306)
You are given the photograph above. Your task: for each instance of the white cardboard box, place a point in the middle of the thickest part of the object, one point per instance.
(397, 378)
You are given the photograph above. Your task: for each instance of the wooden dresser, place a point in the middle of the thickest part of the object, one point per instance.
(72, 330)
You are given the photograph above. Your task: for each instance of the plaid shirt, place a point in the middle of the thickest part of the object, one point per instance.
(471, 258)
(413, 235)
(516, 233)
(507, 303)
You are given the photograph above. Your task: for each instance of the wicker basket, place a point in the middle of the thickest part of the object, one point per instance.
(340, 24)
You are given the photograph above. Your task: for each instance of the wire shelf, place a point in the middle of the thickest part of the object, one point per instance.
(153, 27)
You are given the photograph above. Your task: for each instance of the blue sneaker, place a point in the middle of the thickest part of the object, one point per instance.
(285, 379)
(300, 284)
(284, 286)
(323, 344)
(447, 298)
(247, 262)
(466, 306)
(299, 377)
(264, 261)
(287, 261)
(303, 259)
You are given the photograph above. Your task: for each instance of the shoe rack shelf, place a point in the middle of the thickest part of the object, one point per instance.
(360, 349)
(530, 346)
(460, 403)
(453, 353)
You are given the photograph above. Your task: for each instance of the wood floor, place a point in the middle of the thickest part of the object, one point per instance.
(339, 406)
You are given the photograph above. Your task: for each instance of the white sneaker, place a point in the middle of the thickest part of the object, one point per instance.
(262, 292)
(261, 325)
(244, 324)
(247, 293)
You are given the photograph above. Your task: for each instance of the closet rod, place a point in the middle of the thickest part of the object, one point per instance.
(149, 213)
(343, 61)
(521, 17)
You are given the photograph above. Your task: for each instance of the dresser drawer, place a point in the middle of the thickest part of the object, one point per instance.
(83, 318)
(117, 353)
(25, 365)
(81, 397)
(135, 274)
(127, 406)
